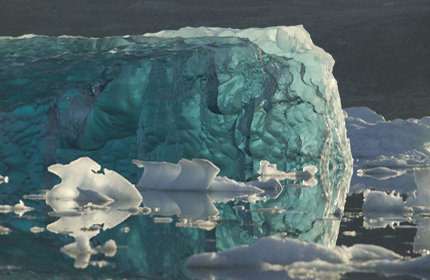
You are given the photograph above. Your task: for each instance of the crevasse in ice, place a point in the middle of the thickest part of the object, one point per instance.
(234, 97)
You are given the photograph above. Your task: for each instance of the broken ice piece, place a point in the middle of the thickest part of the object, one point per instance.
(4, 230)
(161, 220)
(4, 179)
(19, 208)
(37, 229)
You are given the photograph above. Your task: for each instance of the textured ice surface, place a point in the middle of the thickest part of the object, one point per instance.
(85, 198)
(231, 96)
(397, 143)
(273, 258)
(234, 97)
(195, 175)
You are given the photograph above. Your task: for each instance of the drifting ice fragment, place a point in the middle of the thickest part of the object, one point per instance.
(19, 208)
(81, 183)
(269, 170)
(81, 250)
(195, 175)
(289, 251)
(4, 179)
(37, 229)
(4, 230)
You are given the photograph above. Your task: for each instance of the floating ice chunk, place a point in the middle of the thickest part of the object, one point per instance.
(81, 250)
(163, 220)
(287, 252)
(37, 229)
(4, 179)
(380, 173)
(108, 249)
(269, 170)
(96, 198)
(371, 137)
(201, 224)
(81, 182)
(379, 201)
(224, 184)
(18, 208)
(4, 230)
(66, 213)
(186, 205)
(194, 175)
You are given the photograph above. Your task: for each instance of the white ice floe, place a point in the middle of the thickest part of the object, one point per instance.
(269, 170)
(4, 179)
(288, 251)
(380, 173)
(18, 208)
(302, 260)
(82, 182)
(81, 250)
(37, 229)
(381, 209)
(4, 230)
(194, 175)
(397, 143)
(87, 197)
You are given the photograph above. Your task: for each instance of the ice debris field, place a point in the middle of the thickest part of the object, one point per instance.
(201, 152)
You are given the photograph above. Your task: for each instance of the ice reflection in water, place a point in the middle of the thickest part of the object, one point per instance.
(169, 226)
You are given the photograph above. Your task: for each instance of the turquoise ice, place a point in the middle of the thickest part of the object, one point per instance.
(233, 97)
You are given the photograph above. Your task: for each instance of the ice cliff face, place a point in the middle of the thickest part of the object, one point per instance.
(234, 97)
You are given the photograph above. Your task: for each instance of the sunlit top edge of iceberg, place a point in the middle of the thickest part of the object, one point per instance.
(276, 40)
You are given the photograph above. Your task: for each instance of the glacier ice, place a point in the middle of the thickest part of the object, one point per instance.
(233, 97)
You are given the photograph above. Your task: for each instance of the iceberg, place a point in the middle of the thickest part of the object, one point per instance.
(233, 97)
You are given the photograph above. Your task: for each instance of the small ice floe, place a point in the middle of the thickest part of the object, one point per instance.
(66, 213)
(239, 207)
(100, 264)
(139, 210)
(4, 179)
(163, 220)
(89, 196)
(81, 250)
(125, 229)
(18, 208)
(349, 233)
(201, 224)
(380, 173)
(269, 170)
(275, 210)
(38, 196)
(300, 260)
(194, 175)
(82, 182)
(37, 229)
(4, 230)
(289, 251)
